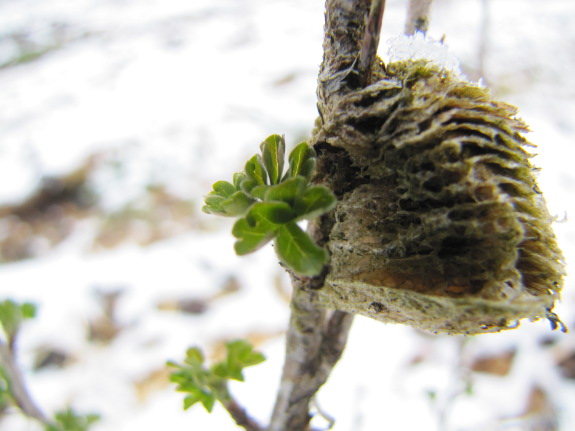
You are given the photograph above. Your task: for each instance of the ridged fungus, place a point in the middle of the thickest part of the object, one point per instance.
(444, 228)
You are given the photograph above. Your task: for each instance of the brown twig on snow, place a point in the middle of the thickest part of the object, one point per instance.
(417, 16)
(18, 388)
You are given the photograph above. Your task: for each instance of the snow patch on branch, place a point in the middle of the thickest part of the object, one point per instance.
(420, 46)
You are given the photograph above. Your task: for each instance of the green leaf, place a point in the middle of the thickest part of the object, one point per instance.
(69, 420)
(222, 192)
(289, 191)
(252, 233)
(13, 314)
(212, 204)
(255, 170)
(238, 178)
(223, 188)
(200, 384)
(273, 153)
(258, 192)
(243, 353)
(237, 204)
(298, 251)
(28, 310)
(301, 161)
(272, 213)
(240, 354)
(206, 398)
(248, 184)
(316, 200)
(190, 400)
(224, 200)
(194, 357)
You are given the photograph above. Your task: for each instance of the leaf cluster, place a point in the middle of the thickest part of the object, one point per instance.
(206, 385)
(12, 315)
(270, 201)
(69, 420)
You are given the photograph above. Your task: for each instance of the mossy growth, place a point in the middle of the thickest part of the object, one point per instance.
(444, 228)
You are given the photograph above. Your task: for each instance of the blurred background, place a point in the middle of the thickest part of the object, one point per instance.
(116, 116)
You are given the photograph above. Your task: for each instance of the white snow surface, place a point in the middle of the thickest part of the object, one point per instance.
(420, 46)
(181, 93)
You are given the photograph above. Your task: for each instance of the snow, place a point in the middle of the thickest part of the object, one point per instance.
(181, 93)
(420, 46)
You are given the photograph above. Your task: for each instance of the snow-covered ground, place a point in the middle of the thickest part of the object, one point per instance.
(179, 94)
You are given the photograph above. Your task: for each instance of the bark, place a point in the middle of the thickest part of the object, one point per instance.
(316, 338)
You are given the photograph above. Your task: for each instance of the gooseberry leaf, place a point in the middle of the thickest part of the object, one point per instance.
(253, 232)
(213, 205)
(316, 200)
(273, 153)
(272, 213)
(238, 178)
(194, 358)
(288, 191)
(248, 184)
(240, 354)
(222, 192)
(196, 395)
(69, 420)
(28, 310)
(237, 204)
(255, 170)
(270, 202)
(258, 192)
(232, 205)
(223, 188)
(297, 250)
(13, 314)
(301, 161)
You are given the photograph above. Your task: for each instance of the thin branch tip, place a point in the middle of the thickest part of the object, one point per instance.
(417, 20)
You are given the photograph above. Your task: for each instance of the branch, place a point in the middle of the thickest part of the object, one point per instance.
(17, 386)
(314, 345)
(344, 32)
(417, 16)
(316, 338)
(240, 416)
(483, 37)
(368, 51)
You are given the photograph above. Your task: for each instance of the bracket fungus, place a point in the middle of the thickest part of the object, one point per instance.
(439, 222)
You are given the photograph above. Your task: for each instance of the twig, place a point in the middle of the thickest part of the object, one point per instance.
(314, 345)
(417, 16)
(368, 50)
(345, 26)
(240, 416)
(483, 37)
(316, 339)
(17, 386)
